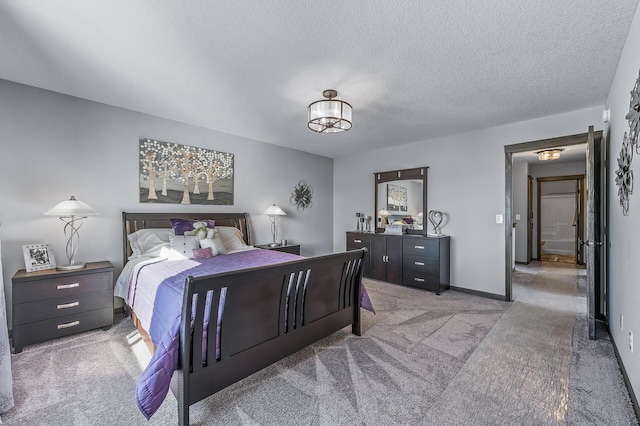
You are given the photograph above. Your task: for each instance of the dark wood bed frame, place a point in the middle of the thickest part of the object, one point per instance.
(261, 323)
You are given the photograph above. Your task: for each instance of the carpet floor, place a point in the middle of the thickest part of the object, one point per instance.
(422, 359)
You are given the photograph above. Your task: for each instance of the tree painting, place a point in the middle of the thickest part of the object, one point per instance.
(178, 174)
(396, 198)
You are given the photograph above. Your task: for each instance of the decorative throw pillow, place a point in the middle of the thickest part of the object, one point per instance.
(231, 238)
(215, 244)
(184, 244)
(149, 242)
(202, 253)
(181, 225)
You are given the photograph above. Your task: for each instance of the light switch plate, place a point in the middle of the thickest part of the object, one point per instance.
(499, 218)
(517, 216)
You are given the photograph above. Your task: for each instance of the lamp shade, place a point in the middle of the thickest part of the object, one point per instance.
(274, 211)
(330, 115)
(71, 207)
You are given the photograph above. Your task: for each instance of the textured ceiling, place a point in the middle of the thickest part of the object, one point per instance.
(412, 70)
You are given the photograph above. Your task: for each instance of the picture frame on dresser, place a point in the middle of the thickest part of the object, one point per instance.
(38, 257)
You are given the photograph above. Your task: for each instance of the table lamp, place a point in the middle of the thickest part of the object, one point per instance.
(273, 212)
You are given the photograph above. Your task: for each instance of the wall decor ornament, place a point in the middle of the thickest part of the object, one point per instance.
(633, 116)
(184, 174)
(301, 196)
(624, 174)
(435, 217)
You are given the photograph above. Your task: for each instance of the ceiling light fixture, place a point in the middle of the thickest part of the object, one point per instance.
(329, 115)
(549, 154)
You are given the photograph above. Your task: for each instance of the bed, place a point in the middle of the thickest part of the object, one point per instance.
(277, 304)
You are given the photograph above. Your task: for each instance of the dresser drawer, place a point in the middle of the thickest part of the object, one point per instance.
(421, 280)
(357, 241)
(25, 313)
(420, 247)
(49, 329)
(62, 286)
(420, 263)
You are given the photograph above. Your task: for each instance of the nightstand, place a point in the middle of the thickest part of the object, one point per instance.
(50, 304)
(288, 248)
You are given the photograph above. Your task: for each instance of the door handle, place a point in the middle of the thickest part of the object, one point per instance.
(590, 243)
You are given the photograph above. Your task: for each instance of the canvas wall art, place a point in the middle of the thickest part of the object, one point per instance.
(396, 198)
(181, 174)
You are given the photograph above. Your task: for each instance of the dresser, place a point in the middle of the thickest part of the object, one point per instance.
(50, 304)
(411, 260)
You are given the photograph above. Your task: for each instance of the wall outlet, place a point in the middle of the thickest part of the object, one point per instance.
(621, 322)
(631, 341)
(499, 218)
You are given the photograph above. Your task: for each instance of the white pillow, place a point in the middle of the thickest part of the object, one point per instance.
(184, 244)
(215, 244)
(231, 238)
(149, 242)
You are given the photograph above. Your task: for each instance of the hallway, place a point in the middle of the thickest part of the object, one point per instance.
(537, 366)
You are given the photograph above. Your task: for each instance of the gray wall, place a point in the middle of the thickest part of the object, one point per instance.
(624, 231)
(466, 181)
(54, 146)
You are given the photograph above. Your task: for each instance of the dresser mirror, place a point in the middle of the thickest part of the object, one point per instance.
(401, 200)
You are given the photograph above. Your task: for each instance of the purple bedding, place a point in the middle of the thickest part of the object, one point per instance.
(165, 321)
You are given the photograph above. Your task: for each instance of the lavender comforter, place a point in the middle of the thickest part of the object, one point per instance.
(156, 293)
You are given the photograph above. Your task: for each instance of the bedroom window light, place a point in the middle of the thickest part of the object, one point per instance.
(71, 212)
(329, 115)
(273, 212)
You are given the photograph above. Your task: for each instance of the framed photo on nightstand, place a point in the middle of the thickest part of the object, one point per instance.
(38, 257)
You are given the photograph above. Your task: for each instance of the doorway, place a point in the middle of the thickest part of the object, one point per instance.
(560, 213)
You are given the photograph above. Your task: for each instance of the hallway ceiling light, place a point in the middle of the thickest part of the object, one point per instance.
(549, 154)
(329, 115)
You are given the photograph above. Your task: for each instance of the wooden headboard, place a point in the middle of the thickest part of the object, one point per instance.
(131, 222)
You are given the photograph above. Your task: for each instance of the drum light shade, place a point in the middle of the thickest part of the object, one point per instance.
(330, 115)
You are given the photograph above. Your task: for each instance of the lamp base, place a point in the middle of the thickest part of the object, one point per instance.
(274, 244)
(71, 267)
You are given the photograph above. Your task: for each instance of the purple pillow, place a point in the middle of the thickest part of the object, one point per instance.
(180, 226)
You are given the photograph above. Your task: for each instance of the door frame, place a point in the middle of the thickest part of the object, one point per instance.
(579, 207)
(509, 150)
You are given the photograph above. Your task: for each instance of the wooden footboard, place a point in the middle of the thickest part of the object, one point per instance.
(268, 313)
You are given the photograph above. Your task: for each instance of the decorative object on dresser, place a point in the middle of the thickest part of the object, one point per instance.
(51, 304)
(284, 246)
(71, 212)
(184, 170)
(273, 212)
(400, 196)
(301, 196)
(38, 257)
(435, 217)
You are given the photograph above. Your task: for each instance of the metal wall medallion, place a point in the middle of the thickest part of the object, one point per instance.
(301, 196)
(624, 174)
(633, 116)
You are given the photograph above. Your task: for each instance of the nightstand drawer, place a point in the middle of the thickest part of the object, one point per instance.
(62, 286)
(25, 313)
(59, 327)
(420, 263)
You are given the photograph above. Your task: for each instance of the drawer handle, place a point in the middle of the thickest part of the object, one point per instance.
(64, 286)
(419, 247)
(357, 241)
(419, 263)
(68, 305)
(420, 280)
(69, 324)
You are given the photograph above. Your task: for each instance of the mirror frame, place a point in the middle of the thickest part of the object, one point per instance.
(418, 173)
